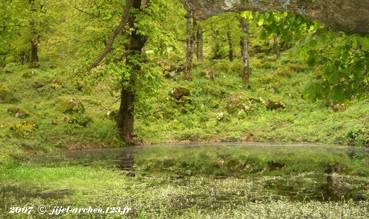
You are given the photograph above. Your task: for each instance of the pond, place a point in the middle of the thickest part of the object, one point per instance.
(236, 180)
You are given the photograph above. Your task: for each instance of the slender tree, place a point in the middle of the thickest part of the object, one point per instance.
(245, 49)
(199, 44)
(230, 44)
(190, 25)
(276, 46)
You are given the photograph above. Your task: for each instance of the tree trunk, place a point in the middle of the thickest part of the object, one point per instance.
(189, 46)
(216, 49)
(199, 44)
(245, 50)
(126, 115)
(34, 36)
(276, 46)
(34, 53)
(134, 48)
(230, 45)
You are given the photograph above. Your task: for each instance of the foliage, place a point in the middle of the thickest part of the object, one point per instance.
(341, 62)
(288, 27)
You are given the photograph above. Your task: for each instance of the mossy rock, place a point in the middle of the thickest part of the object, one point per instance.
(29, 74)
(275, 105)
(6, 95)
(237, 102)
(70, 105)
(79, 119)
(18, 112)
(179, 92)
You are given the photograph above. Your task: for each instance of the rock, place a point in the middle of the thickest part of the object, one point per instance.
(79, 119)
(237, 102)
(38, 84)
(18, 112)
(173, 70)
(179, 92)
(345, 15)
(70, 105)
(6, 95)
(28, 74)
(275, 105)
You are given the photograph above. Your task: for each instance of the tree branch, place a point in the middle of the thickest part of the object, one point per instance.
(119, 29)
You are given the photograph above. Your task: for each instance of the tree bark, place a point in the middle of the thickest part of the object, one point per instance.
(276, 46)
(344, 15)
(34, 36)
(134, 48)
(190, 45)
(199, 44)
(34, 52)
(245, 50)
(216, 49)
(230, 45)
(119, 29)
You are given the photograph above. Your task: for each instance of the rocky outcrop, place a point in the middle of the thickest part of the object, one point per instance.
(345, 15)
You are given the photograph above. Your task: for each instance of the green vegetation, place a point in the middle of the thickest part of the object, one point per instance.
(191, 181)
(80, 82)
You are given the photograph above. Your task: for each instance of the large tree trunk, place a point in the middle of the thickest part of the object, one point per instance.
(126, 115)
(345, 15)
(245, 50)
(190, 45)
(230, 45)
(199, 44)
(134, 48)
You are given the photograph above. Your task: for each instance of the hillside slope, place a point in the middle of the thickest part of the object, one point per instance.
(52, 107)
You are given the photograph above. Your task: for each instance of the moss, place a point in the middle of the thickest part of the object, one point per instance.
(18, 112)
(7, 95)
(69, 105)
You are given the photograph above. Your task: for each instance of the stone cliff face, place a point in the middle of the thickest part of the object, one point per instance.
(345, 15)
